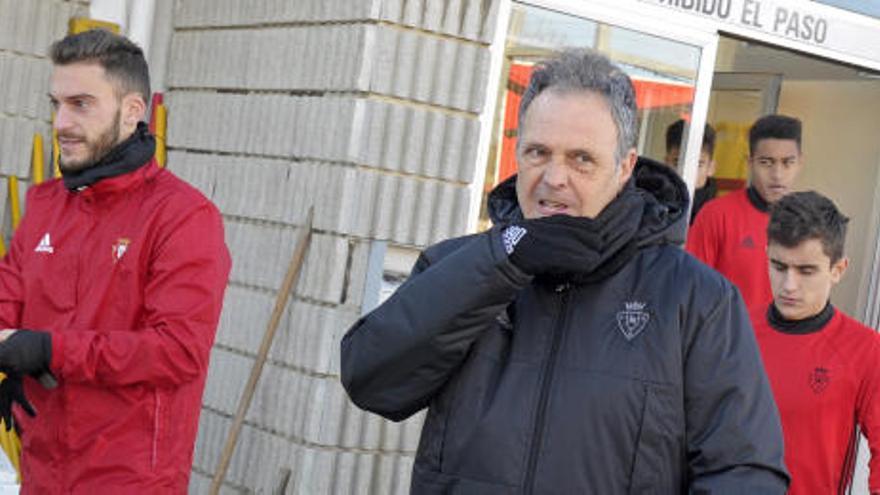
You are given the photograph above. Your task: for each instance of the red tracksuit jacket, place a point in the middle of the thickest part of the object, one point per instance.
(826, 383)
(128, 276)
(730, 235)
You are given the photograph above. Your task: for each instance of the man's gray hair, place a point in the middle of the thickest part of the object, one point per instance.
(581, 69)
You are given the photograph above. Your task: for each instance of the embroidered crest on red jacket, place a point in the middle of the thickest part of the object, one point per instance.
(119, 248)
(819, 379)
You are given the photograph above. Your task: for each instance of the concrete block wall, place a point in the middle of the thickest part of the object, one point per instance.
(27, 28)
(368, 110)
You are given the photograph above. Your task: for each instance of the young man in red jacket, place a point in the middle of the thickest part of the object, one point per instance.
(822, 364)
(730, 232)
(112, 289)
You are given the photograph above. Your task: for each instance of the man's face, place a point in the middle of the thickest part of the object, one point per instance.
(802, 277)
(774, 166)
(671, 157)
(705, 169)
(88, 114)
(565, 155)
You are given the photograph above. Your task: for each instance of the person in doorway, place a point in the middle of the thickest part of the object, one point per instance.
(111, 292)
(822, 364)
(730, 232)
(549, 350)
(705, 187)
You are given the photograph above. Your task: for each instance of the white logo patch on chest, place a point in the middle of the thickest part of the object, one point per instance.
(119, 249)
(633, 319)
(45, 245)
(511, 237)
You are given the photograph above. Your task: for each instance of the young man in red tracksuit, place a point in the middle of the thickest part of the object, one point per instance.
(730, 233)
(112, 289)
(824, 367)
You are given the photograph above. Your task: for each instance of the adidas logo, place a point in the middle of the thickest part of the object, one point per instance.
(748, 243)
(511, 237)
(45, 245)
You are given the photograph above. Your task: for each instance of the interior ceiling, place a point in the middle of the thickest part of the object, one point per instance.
(736, 55)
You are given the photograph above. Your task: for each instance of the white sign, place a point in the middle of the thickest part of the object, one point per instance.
(804, 23)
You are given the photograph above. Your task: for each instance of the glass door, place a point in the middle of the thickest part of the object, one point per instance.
(671, 72)
(738, 99)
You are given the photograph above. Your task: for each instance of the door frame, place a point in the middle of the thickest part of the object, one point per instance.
(768, 84)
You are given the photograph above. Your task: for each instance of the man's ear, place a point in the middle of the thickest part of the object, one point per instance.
(838, 268)
(711, 170)
(627, 165)
(134, 109)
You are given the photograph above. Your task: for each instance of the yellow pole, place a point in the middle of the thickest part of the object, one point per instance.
(14, 201)
(10, 443)
(37, 161)
(56, 152)
(161, 124)
(80, 24)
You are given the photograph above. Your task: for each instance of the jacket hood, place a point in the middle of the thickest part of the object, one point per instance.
(664, 220)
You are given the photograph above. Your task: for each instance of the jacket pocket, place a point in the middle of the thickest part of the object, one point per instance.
(431, 440)
(457, 414)
(658, 460)
(433, 437)
(157, 429)
(489, 420)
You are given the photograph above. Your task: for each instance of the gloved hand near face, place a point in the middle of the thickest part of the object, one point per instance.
(552, 245)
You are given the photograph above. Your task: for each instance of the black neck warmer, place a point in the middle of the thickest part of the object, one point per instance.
(615, 242)
(808, 325)
(125, 157)
(702, 195)
(757, 201)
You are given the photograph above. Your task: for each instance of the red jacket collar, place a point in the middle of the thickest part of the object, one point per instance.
(113, 186)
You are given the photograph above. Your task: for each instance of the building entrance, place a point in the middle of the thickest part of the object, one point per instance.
(838, 105)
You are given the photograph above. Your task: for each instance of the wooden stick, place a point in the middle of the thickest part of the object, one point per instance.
(293, 271)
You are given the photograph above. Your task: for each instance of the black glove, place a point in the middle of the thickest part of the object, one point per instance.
(555, 245)
(26, 352)
(12, 392)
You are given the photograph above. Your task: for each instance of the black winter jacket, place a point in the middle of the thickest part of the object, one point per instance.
(648, 381)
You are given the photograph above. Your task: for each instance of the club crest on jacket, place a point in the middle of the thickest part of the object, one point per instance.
(119, 248)
(819, 379)
(632, 320)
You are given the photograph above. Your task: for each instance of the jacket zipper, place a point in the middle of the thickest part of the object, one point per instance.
(156, 425)
(546, 381)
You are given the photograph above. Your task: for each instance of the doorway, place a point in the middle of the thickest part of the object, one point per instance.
(838, 105)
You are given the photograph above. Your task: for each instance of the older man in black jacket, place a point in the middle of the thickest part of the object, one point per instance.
(574, 347)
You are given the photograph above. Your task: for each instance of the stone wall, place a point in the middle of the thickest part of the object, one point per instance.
(27, 28)
(368, 110)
